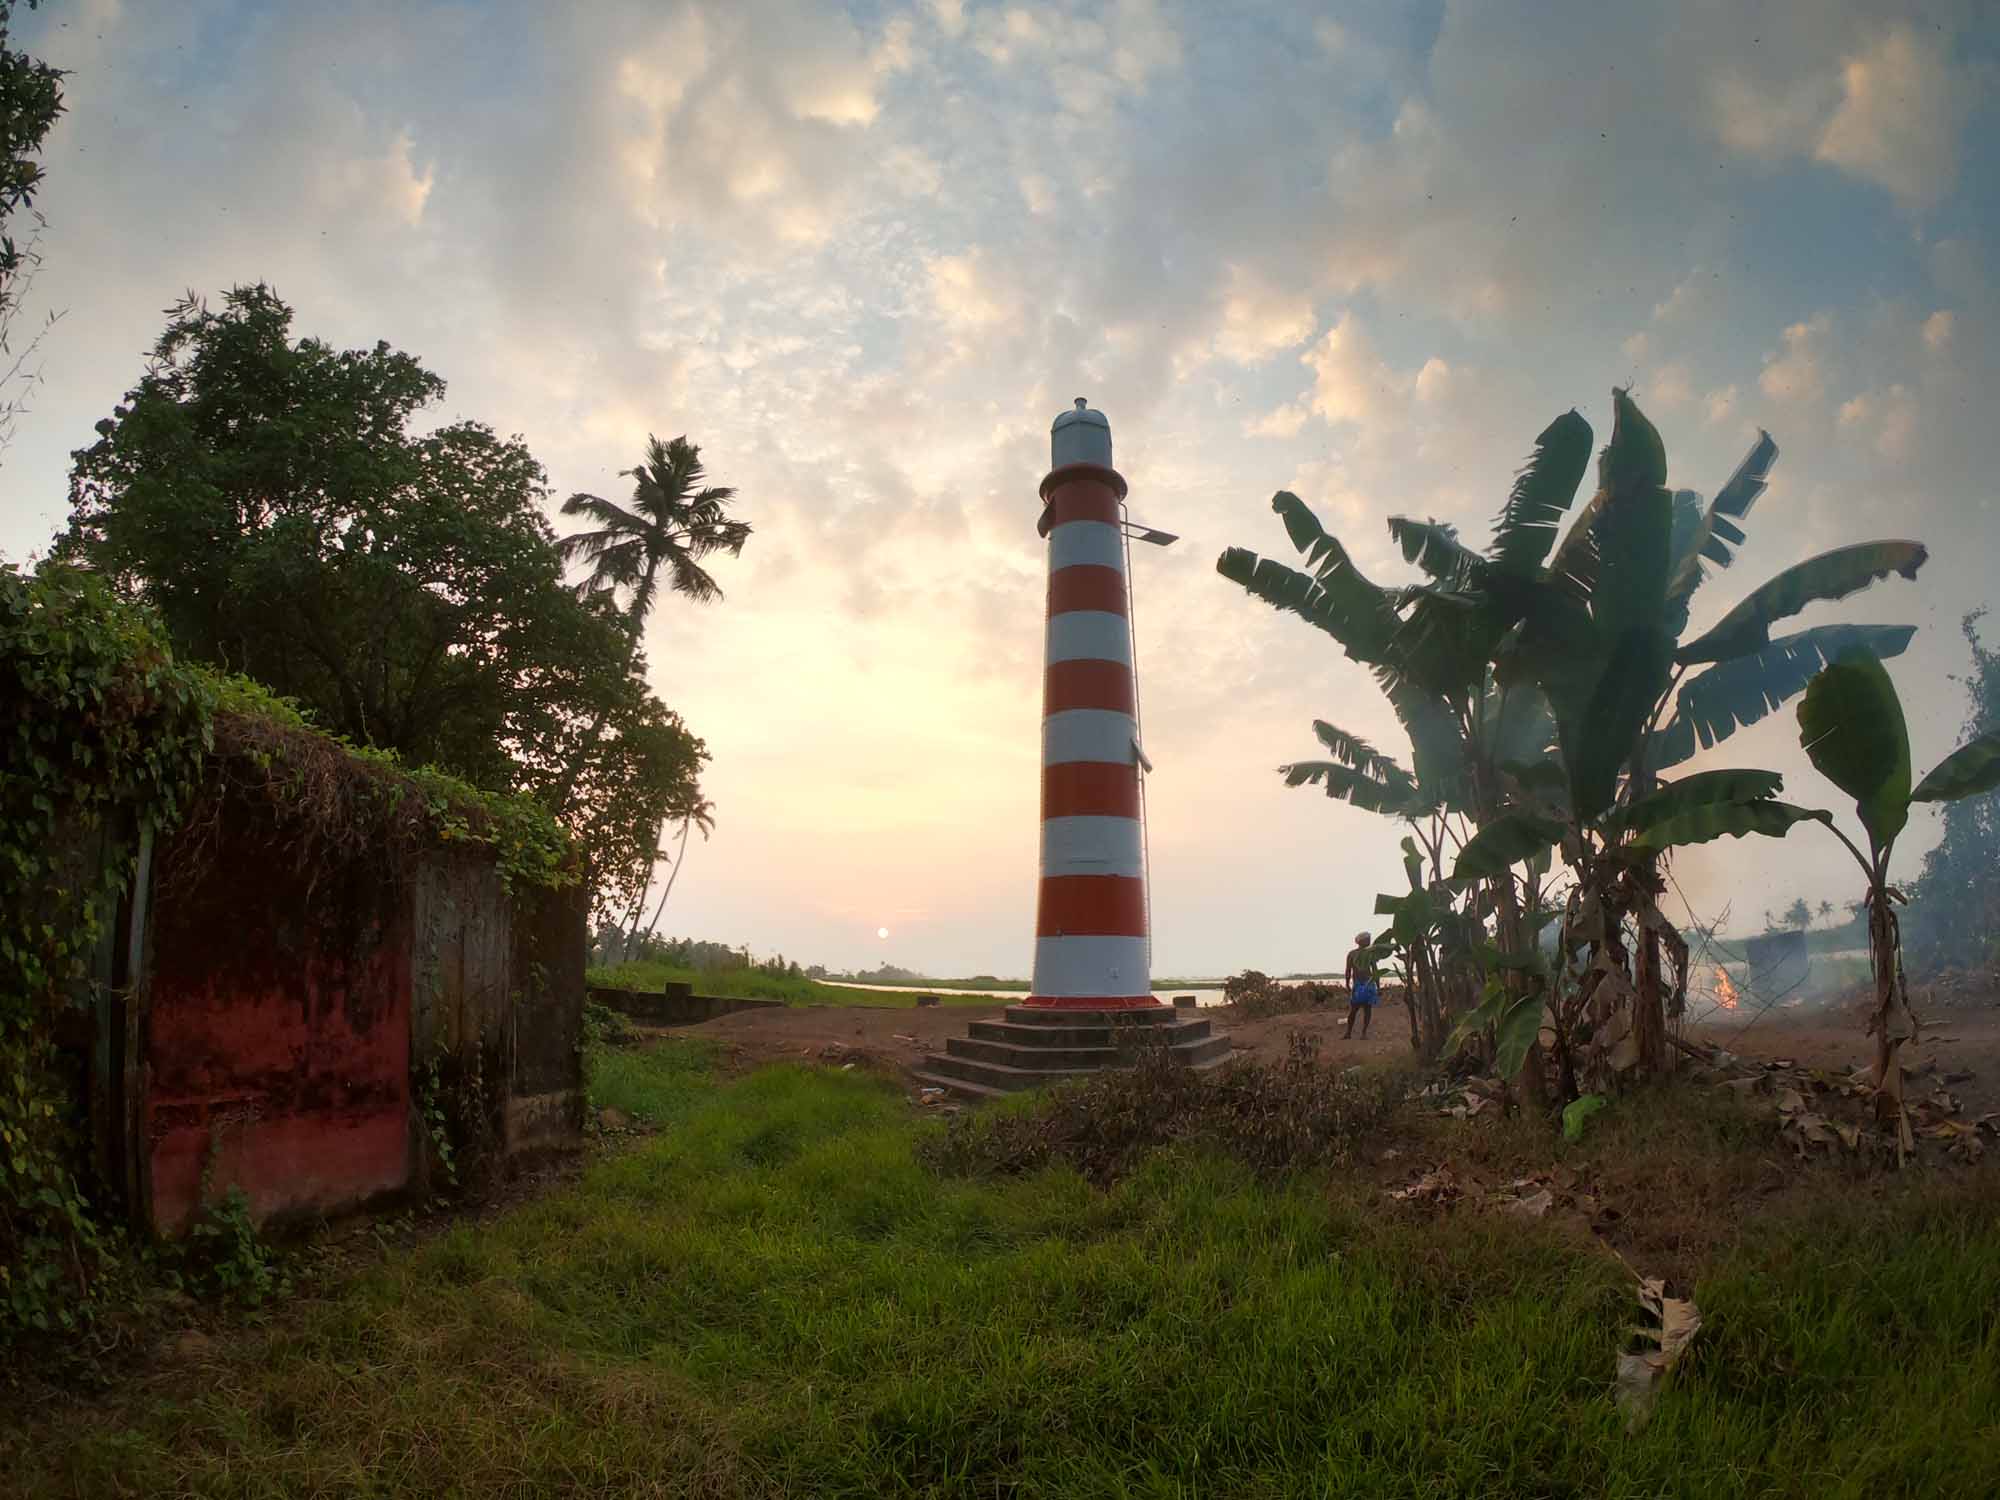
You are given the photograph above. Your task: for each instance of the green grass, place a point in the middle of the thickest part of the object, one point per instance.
(772, 1298)
(751, 984)
(659, 1086)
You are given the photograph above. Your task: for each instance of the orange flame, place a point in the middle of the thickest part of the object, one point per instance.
(1725, 992)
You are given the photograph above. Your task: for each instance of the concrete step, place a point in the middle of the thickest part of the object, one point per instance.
(965, 1088)
(999, 1076)
(1036, 1054)
(1048, 1015)
(1086, 1036)
(957, 1063)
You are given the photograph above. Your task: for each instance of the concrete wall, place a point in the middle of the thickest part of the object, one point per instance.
(545, 1106)
(276, 1033)
(296, 1012)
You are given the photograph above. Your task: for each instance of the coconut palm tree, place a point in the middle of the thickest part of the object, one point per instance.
(673, 521)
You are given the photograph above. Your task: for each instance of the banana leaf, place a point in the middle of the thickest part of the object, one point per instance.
(1699, 790)
(1476, 1020)
(1633, 462)
(1713, 820)
(1851, 725)
(1718, 532)
(1972, 768)
(1831, 575)
(1435, 548)
(1714, 704)
(1543, 490)
(1352, 750)
(1504, 843)
(1515, 1033)
(1390, 798)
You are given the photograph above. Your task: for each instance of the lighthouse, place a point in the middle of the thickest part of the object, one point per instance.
(1092, 1005)
(1091, 941)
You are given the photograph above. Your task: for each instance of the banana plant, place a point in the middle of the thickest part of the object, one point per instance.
(1430, 939)
(1852, 728)
(1599, 630)
(1592, 993)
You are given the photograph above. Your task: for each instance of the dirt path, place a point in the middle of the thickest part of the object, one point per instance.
(882, 1036)
(1956, 1041)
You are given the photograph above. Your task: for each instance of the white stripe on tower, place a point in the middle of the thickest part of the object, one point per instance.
(1090, 927)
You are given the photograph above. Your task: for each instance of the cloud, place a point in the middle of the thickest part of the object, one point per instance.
(967, 294)
(1938, 329)
(1902, 109)
(1886, 418)
(1283, 422)
(1889, 109)
(1259, 320)
(1669, 387)
(1352, 383)
(1796, 376)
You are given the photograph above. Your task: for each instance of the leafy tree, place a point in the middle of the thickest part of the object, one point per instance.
(671, 524)
(1851, 726)
(30, 102)
(1954, 917)
(268, 498)
(1798, 914)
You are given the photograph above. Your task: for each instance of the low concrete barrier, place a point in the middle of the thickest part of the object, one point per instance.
(679, 1006)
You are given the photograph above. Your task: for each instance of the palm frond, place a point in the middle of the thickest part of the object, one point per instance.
(691, 579)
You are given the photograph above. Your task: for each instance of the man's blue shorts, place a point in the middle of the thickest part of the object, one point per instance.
(1365, 992)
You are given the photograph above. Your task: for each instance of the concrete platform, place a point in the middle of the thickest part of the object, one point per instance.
(1038, 1045)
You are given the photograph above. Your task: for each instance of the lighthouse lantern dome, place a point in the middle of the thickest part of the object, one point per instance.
(1080, 436)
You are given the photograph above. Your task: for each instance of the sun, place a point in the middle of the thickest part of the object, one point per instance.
(881, 932)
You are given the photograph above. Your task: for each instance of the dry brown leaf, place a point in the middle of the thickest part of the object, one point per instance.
(1531, 1205)
(1640, 1372)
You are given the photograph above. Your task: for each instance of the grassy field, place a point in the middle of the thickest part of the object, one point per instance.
(772, 1297)
(752, 984)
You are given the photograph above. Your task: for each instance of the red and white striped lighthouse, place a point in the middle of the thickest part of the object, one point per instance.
(1090, 924)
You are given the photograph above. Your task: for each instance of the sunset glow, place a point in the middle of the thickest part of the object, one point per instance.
(864, 257)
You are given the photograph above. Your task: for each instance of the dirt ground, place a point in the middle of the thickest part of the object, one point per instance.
(1958, 1041)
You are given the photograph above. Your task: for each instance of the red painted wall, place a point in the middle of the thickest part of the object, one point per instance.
(277, 1036)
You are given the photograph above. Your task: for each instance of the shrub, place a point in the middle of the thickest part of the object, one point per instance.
(1275, 1118)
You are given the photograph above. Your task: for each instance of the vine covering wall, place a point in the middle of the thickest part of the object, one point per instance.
(107, 737)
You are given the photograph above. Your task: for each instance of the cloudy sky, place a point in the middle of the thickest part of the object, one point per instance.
(864, 255)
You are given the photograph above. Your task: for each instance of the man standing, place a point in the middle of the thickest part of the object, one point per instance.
(1362, 989)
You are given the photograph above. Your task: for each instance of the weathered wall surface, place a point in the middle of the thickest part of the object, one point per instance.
(545, 1106)
(276, 1032)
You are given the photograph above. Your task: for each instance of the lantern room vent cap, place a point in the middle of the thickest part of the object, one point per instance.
(1080, 436)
